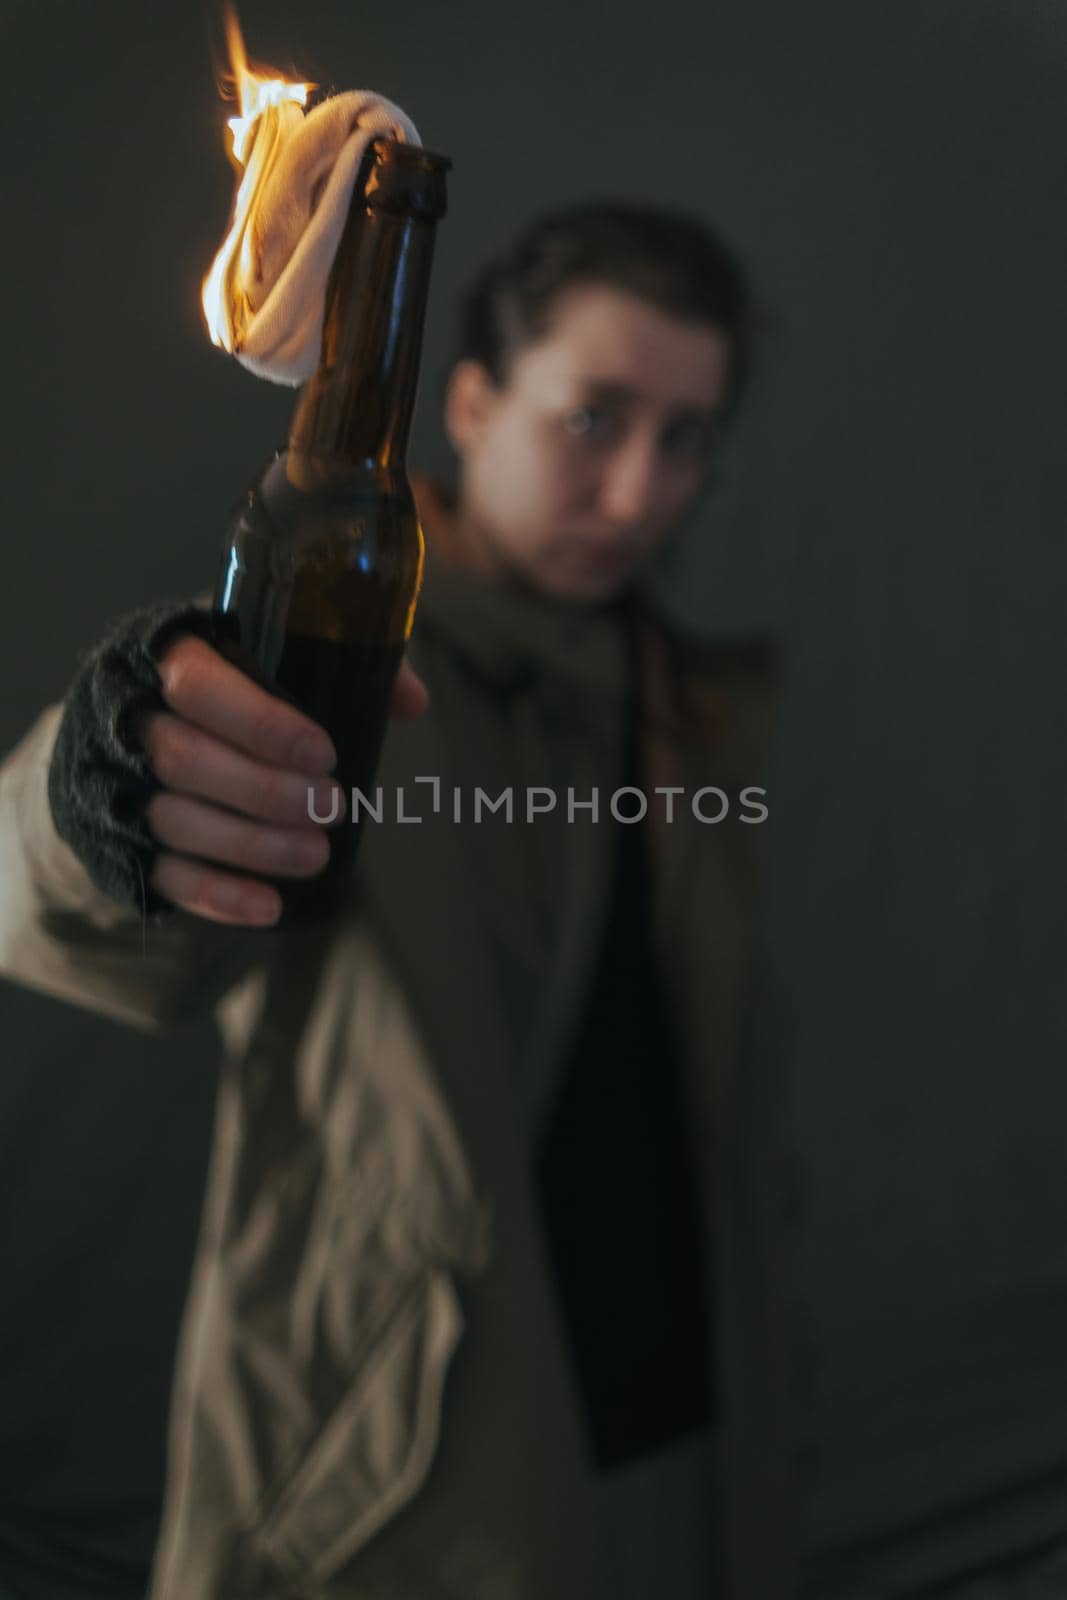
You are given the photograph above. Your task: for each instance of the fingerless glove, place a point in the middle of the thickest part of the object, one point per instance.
(99, 780)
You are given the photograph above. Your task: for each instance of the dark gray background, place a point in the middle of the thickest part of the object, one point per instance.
(894, 177)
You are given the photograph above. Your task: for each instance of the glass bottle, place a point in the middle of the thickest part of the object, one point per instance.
(322, 563)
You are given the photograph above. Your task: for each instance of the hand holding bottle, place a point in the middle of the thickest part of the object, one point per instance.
(237, 764)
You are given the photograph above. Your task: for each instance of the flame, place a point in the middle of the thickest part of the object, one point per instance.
(268, 105)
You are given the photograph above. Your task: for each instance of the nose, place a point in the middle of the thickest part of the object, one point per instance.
(629, 490)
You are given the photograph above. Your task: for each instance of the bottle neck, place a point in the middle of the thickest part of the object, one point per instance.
(357, 408)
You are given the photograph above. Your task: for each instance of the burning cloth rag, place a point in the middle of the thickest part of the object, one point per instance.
(302, 171)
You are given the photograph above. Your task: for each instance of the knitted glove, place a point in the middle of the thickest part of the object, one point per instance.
(99, 781)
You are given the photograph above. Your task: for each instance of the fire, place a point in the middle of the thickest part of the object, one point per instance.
(270, 109)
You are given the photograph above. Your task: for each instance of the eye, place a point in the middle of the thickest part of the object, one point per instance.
(588, 422)
(691, 440)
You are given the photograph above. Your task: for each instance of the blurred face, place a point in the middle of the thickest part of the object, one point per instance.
(577, 469)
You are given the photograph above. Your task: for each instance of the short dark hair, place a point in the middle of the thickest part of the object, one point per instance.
(669, 259)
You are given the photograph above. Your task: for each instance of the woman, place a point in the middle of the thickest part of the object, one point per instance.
(499, 1070)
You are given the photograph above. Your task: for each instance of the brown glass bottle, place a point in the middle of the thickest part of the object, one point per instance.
(323, 560)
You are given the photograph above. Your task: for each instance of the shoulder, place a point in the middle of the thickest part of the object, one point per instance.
(738, 662)
(724, 690)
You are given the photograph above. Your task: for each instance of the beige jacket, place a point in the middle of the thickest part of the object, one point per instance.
(372, 1396)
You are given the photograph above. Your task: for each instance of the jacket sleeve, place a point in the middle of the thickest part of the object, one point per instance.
(62, 935)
